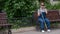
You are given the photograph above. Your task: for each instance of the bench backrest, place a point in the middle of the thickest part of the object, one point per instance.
(52, 15)
(3, 18)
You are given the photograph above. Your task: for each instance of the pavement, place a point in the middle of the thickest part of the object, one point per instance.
(31, 30)
(57, 31)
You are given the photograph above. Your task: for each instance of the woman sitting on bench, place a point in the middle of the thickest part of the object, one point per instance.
(42, 18)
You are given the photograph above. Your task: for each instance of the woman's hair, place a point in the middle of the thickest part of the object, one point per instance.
(42, 4)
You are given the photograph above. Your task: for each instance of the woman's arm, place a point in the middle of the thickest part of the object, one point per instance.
(46, 11)
(38, 12)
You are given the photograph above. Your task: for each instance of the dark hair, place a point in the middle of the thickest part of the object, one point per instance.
(42, 4)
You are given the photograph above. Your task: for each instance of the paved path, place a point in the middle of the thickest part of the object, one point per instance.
(55, 31)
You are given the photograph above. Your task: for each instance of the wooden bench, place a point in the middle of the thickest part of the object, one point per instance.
(4, 22)
(53, 16)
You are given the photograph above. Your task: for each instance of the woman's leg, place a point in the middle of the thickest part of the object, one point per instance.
(47, 23)
(41, 23)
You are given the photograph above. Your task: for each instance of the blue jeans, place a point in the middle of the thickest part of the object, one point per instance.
(41, 21)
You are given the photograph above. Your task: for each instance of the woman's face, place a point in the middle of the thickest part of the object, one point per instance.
(42, 5)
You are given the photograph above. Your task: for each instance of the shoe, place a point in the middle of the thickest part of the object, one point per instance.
(48, 30)
(43, 31)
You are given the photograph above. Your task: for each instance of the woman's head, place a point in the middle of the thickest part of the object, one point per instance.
(42, 5)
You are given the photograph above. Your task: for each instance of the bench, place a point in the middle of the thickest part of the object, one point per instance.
(4, 23)
(53, 16)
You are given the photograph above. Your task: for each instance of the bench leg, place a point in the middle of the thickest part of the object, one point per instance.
(9, 30)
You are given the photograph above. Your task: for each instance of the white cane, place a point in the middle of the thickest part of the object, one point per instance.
(44, 21)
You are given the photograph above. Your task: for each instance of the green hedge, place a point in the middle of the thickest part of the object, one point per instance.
(20, 9)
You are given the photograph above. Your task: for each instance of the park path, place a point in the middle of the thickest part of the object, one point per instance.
(31, 30)
(57, 31)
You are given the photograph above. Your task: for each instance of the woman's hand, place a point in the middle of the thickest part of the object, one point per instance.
(38, 14)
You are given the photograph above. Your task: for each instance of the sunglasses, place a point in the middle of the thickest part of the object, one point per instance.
(42, 5)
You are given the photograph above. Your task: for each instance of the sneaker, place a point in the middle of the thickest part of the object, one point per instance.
(43, 31)
(48, 30)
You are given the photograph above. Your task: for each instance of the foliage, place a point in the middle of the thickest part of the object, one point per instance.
(56, 6)
(20, 9)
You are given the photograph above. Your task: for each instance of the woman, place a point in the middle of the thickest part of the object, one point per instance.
(42, 18)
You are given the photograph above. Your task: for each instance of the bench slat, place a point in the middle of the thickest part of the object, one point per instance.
(55, 20)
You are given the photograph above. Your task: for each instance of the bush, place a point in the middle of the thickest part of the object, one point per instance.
(20, 9)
